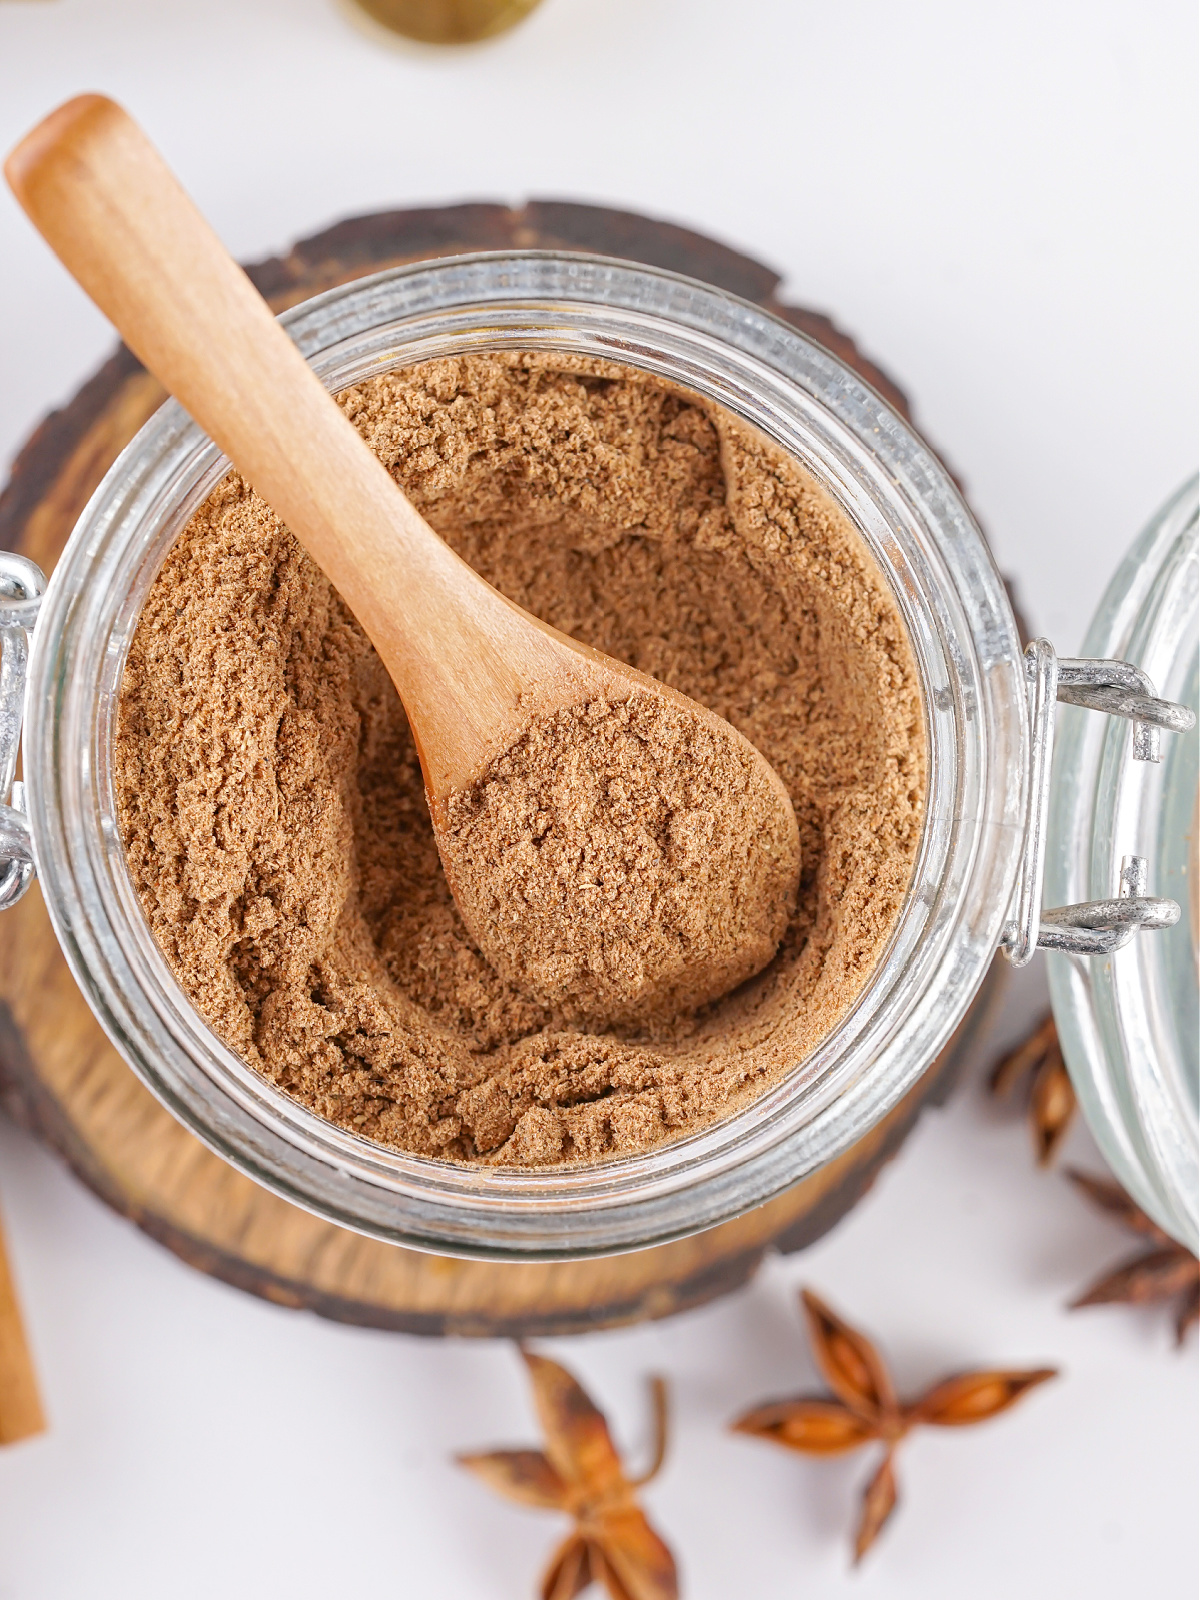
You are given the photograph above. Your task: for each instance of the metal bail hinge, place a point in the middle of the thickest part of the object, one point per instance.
(22, 586)
(1097, 927)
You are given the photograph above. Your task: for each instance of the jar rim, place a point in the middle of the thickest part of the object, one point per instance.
(964, 639)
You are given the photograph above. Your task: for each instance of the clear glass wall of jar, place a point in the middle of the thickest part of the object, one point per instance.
(968, 656)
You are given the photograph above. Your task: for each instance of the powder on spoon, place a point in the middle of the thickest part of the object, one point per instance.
(624, 862)
(270, 796)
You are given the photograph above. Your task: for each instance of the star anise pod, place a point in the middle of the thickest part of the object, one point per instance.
(1051, 1094)
(580, 1472)
(866, 1409)
(1167, 1271)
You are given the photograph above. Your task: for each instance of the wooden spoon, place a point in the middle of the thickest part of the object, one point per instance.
(473, 670)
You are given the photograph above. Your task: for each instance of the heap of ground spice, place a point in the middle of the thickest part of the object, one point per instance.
(621, 863)
(270, 796)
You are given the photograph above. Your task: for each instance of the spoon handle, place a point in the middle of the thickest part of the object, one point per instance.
(113, 212)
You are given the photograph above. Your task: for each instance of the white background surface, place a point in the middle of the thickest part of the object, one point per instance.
(999, 203)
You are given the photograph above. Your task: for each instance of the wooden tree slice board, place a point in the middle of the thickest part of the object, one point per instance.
(60, 1077)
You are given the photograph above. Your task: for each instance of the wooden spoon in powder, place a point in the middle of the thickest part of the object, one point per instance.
(615, 849)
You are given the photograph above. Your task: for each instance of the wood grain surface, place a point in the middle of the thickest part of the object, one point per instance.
(62, 1080)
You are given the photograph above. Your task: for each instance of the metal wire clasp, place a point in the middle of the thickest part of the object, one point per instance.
(22, 586)
(1097, 927)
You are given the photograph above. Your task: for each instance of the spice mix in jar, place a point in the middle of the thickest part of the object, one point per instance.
(271, 803)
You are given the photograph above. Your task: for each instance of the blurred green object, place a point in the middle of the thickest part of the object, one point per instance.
(447, 21)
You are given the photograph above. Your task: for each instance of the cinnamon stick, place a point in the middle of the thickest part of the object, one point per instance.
(21, 1413)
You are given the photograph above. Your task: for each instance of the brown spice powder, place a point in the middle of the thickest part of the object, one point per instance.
(271, 802)
(622, 863)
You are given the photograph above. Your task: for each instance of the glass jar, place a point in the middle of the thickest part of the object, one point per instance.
(1130, 1021)
(981, 840)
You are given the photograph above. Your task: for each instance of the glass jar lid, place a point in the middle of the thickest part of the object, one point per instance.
(1130, 1021)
